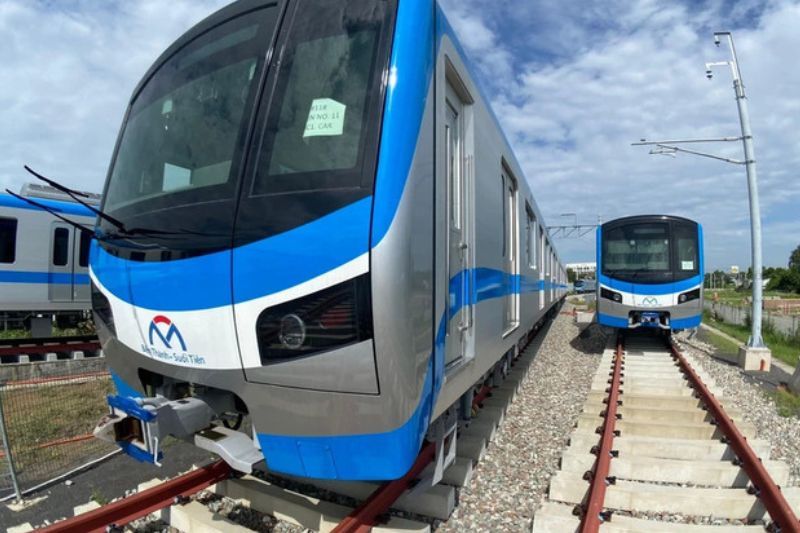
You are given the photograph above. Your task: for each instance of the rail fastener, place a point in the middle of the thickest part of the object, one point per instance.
(765, 488)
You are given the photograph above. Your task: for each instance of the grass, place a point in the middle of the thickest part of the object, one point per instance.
(782, 348)
(36, 415)
(737, 298)
(788, 404)
(721, 343)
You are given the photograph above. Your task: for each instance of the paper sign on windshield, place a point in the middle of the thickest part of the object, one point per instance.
(326, 117)
(687, 265)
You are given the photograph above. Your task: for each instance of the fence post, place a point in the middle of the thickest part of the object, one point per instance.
(7, 446)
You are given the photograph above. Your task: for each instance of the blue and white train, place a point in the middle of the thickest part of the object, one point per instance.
(44, 262)
(650, 273)
(320, 227)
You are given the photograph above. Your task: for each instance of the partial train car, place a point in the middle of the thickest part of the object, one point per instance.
(334, 240)
(44, 262)
(650, 273)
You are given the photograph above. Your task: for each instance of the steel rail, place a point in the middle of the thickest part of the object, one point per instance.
(765, 487)
(367, 515)
(47, 340)
(34, 346)
(592, 517)
(142, 503)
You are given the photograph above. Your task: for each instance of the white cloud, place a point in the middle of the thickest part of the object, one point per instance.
(636, 69)
(66, 74)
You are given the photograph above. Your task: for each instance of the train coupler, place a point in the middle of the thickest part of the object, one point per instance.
(139, 426)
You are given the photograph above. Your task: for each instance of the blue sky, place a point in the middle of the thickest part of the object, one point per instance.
(573, 84)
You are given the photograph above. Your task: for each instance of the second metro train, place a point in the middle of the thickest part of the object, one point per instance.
(334, 239)
(650, 273)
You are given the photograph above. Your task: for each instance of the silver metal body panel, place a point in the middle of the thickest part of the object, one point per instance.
(410, 277)
(33, 257)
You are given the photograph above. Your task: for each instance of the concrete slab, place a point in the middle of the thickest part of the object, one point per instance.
(194, 517)
(299, 509)
(689, 431)
(473, 448)
(86, 507)
(558, 518)
(794, 383)
(705, 473)
(21, 528)
(459, 474)
(437, 502)
(635, 414)
(631, 496)
(755, 359)
(582, 441)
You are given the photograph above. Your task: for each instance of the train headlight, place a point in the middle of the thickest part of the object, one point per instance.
(610, 295)
(689, 296)
(322, 321)
(293, 332)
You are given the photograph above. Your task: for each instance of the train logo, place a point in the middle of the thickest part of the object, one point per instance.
(172, 331)
(650, 302)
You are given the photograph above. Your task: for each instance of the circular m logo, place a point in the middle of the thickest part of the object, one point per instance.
(162, 328)
(650, 301)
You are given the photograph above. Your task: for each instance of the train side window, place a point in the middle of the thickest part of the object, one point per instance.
(531, 226)
(61, 247)
(86, 240)
(8, 240)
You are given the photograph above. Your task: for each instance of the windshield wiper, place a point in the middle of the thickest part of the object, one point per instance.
(122, 230)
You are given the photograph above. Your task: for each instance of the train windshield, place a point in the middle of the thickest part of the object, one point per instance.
(182, 151)
(657, 252)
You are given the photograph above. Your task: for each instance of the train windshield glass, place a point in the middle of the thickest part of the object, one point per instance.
(184, 133)
(657, 252)
(324, 99)
(637, 252)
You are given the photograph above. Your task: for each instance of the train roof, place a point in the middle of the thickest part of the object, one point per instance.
(646, 218)
(59, 206)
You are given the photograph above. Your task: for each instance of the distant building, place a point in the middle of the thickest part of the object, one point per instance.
(583, 270)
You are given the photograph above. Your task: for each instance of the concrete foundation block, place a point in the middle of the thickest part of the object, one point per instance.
(755, 359)
(77, 354)
(794, 383)
(584, 318)
(52, 356)
(22, 358)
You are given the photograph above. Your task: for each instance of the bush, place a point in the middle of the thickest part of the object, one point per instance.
(785, 280)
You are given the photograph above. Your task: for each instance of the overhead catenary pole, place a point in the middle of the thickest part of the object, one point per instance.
(669, 148)
(755, 340)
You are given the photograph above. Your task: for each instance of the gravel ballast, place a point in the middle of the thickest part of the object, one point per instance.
(782, 433)
(511, 481)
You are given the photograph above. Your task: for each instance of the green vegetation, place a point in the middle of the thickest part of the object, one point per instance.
(722, 344)
(787, 349)
(99, 497)
(788, 404)
(41, 414)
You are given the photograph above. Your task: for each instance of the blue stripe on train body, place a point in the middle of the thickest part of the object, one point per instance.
(49, 278)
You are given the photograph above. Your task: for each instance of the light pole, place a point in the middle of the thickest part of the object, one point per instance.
(669, 148)
(755, 340)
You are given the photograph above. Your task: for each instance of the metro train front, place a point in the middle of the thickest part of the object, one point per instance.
(650, 273)
(249, 205)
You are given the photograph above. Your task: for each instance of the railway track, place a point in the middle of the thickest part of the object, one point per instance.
(48, 348)
(288, 500)
(654, 450)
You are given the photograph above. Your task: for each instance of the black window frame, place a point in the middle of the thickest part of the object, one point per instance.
(59, 253)
(653, 277)
(8, 251)
(85, 247)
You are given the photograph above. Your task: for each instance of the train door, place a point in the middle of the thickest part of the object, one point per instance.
(61, 263)
(80, 279)
(510, 260)
(541, 268)
(459, 311)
